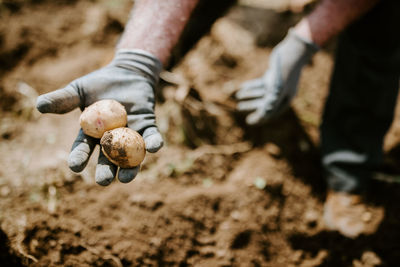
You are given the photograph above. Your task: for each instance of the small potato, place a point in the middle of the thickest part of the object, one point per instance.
(102, 116)
(123, 147)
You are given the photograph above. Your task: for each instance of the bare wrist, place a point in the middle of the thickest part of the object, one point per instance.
(304, 30)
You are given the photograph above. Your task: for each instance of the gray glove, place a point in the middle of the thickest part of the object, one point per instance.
(129, 79)
(269, 95)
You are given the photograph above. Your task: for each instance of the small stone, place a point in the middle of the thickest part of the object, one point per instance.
(367, 216)
(370, 258)
(311, 216)
(297, 256)
(52, 243)
(236, 215)
(273, 149)
(221, 253)
(260, 183)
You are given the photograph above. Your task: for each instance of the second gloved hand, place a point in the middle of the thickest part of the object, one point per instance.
(269, 95)
(129, 79)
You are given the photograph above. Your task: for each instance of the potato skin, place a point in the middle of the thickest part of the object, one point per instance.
(123, 147)
(102, 116)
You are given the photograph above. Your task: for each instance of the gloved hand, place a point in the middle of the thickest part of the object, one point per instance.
(129, 79)
(269, 95)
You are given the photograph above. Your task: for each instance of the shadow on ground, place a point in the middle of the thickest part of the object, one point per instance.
(303, 156)
(384, 242)
(295, 146)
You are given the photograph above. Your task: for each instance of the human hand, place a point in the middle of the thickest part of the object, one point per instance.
(129, 79)
(267, 96)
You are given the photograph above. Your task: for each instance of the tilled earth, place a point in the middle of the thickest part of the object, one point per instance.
(217, 194)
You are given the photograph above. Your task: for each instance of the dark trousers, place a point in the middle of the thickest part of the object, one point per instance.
(362, 98)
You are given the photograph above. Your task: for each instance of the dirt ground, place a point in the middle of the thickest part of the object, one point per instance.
(218, 194)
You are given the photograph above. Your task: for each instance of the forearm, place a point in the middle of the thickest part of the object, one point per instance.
(155, 26)
(330, 17)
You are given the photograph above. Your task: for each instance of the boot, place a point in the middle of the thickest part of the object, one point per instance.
(347, 214)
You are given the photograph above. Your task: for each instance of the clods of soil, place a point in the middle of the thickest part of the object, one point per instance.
(218, 194)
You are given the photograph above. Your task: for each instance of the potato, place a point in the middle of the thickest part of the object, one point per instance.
(123, 147)
(102, 116)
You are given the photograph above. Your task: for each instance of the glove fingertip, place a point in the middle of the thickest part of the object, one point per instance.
(153, 142)
(43, 104)
(240, 106)
(127, 175)
(253, 119)
(239, 95)
(104, 175)
(105, 171)
(258, 82)
(76, 164)
(59, 101)
(80, 153)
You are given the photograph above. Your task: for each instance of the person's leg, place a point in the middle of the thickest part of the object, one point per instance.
(358, 113)
(363, 94)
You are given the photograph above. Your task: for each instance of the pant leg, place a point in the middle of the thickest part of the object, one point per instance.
(363, 93)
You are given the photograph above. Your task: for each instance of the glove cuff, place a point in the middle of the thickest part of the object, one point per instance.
(308, 46)
(139, 60)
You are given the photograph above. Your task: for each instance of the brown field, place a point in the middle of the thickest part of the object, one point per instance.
(217, 194)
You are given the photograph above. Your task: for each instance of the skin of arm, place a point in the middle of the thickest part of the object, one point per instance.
(330, 17)
(155, 26)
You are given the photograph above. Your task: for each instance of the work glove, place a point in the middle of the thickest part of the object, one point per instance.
(268, 96)
(130, 79)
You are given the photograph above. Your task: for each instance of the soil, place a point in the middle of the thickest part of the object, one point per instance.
(218, 194)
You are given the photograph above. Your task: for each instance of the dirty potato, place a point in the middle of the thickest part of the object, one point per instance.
(123, 147)
(102, 116)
